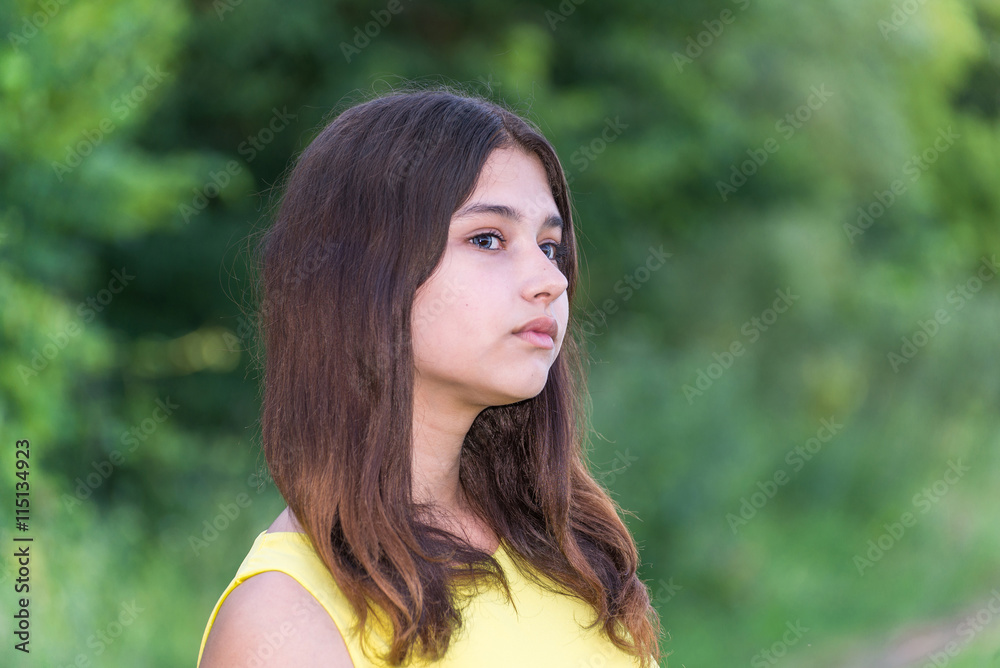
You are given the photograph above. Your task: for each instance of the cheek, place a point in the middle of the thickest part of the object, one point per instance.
(450, 323)
(435, 300)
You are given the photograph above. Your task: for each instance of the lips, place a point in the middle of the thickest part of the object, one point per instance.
(537, 330)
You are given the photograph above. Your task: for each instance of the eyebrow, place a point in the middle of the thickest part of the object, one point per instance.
(506, 212)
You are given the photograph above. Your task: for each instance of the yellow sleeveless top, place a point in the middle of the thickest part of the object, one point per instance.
(545, 630)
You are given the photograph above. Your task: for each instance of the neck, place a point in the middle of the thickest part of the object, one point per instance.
(440, 424)
(437, 449)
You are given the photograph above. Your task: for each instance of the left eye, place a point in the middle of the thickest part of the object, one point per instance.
(556, 250)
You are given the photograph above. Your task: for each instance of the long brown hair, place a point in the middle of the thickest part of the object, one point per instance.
(362, 223)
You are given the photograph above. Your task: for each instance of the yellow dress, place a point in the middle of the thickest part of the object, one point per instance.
(545, 631)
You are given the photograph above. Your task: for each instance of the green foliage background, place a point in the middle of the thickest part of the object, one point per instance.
(116, 116)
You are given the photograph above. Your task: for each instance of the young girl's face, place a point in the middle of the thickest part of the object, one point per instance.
(498, 273)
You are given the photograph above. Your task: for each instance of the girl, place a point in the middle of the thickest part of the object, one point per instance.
(423, 412)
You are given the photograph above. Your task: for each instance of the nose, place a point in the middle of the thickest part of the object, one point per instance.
(544, 278)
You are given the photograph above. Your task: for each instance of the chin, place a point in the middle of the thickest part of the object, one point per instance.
(525, 392)
(517, 384)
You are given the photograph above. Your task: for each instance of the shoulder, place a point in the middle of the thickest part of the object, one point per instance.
(271, 620)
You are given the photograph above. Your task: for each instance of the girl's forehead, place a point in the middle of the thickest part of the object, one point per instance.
(517, 176)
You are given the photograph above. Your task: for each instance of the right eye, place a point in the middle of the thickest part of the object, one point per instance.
(486, 235)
